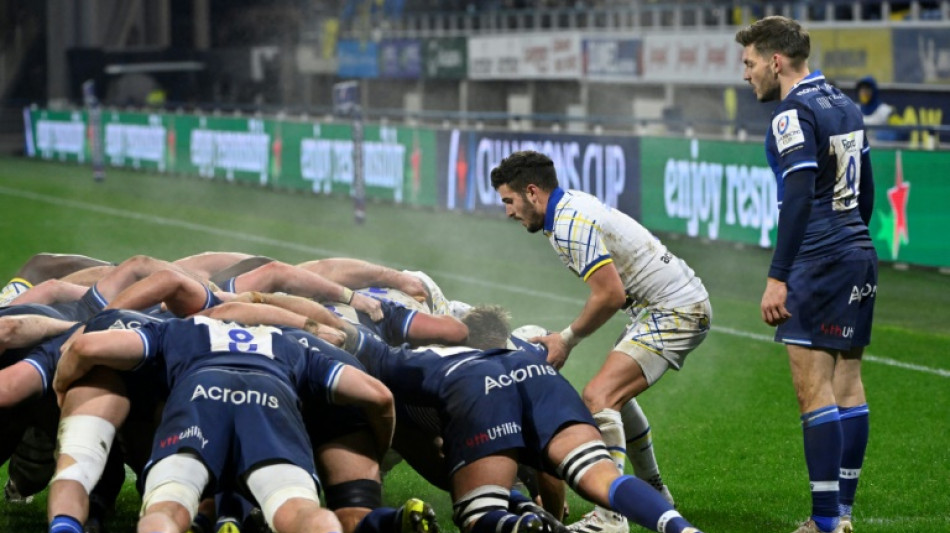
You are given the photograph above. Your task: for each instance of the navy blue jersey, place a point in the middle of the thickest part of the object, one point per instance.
(125, 319)
(326, 422)
(818, 128)
(394, 326)
(44, 357)
(189, 345)
(485, 401)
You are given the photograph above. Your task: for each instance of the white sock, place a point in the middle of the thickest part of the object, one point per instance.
(611, 429)
(640, 444)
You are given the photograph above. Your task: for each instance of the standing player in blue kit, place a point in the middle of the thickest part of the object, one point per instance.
(822, 282)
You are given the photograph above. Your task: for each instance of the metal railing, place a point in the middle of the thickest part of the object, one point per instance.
(632, 16)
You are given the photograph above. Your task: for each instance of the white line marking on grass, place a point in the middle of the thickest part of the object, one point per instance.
(154, 219)
(867, 357)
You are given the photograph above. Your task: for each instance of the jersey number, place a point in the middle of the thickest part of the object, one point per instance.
(235, 338)
(847, 152)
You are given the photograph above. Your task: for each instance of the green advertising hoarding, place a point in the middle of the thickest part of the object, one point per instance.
(445, 58)
(724, 190)
(398, 162)
(713, 189)
(138, 140)
(59, 135)
(910, 206)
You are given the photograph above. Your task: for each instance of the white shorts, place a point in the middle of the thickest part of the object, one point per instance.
(659, 339)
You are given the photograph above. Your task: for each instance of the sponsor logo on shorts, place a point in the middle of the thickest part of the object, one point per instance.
(860, 293)
(235, 397)
(194, 432)
(517, 376)
(834, 330)
(492, 433)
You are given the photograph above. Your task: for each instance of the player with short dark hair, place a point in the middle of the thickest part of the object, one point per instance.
(822, 282)
(626, 268)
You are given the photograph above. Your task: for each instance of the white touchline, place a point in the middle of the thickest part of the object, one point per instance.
(163, 221)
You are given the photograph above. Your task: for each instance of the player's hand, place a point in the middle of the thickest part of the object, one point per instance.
(414, 287)
(558, 350)
(370, 306)
(773, 302)
(331, 335)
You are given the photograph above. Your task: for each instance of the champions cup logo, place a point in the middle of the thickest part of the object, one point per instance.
(582, 163)
(783, 125)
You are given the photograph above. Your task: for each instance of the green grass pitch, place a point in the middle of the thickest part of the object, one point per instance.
(726, 427)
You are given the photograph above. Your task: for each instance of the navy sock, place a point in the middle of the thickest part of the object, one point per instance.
(822, 434)
(381, 520)
(854, 432)
(203, 523)
(516, 498)
(497, 521)
(64, 524)
(641, 503)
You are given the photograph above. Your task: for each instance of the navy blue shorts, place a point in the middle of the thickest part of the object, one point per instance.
(489, 409)
(232, 419)
(831, 301)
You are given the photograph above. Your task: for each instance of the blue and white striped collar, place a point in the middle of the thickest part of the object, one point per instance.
(553, 200)
(815, 76)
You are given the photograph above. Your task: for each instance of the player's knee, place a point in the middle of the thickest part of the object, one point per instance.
(580, 460)
(87, 440)
(275, 485)
(356, 493)
(179, 479)
(477, 503)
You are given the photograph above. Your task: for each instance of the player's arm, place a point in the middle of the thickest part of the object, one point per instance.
(18, 382)
(866, 196)
(355, 387)
(607, 296)
(269, 315)
(792, 222)
(180, 293)
(297, 304)
(117, 349)
(281, 277)
(50, 292)
(359, 274)
(21, 331)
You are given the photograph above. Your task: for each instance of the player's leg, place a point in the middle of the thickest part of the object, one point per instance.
(173, 488)
(853, 410)
(812, 372)
(288, 498)
(349, 471)
(480, 493)
(92, 409)
(582, 459)
(619, 380)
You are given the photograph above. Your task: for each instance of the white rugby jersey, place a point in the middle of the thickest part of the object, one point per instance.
(587, 234)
